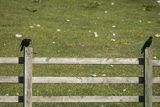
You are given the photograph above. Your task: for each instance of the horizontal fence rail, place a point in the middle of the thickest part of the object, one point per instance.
(79, 99)
(86, 60)
(45, 60)
(28, 80)
(89, 80)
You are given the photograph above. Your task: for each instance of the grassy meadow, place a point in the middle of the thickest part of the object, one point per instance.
(79, 28)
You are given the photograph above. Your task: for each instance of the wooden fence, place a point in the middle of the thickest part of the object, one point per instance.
(27, 97)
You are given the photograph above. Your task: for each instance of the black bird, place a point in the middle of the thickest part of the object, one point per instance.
(25, 43)
(147, 44)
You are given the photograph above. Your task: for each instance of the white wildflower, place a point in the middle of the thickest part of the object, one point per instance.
(124, 90)
(89, 31)
(111, 66)
(140, 21)
(31, 27)
(112, 3)
(6, 94)
(38, 25)
(105, 12)
(154, 57)
(114, 34)
(157, 35)
(113, 40)
(18, 35)
(158, 1)
(94, 75)
(53, 42)
(17, 93)
(95, 34)
(148, 21)
(103, 75)
(113, 26)
(67, 20)
(58, 30)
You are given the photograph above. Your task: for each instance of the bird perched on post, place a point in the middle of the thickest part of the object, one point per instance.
(25, 43)
(146, 44)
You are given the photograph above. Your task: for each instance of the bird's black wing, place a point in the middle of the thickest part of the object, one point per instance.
(22, 45)
(146, 44)
(143, 48)
(21, 48)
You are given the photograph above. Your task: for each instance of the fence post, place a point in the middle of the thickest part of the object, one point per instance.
(148, 78)
(27, 77)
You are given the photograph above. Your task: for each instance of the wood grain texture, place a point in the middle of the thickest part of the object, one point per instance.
(86, 80)
(107, 80)
(78, 99)
(8, 60)
(86, 99)
(28, 77)
(148, 78)
(46, 60)
(52, 60)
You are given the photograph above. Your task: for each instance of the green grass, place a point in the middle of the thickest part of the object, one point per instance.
(76, 39)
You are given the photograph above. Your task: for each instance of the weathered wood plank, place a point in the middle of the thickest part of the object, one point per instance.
(107, 80)
(86, 99)
(155, 79)
(9, 60)
(9, 99)
(156, 62)
(86, 80)
(148, 78)
(9, 79)
(46, 60)
(155, 98)
(78, 99)
(28, 77)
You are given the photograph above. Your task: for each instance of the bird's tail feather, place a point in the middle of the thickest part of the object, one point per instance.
(21, 48)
